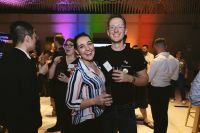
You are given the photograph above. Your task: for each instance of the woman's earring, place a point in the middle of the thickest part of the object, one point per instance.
(78, 55)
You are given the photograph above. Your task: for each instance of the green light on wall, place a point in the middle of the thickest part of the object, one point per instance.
(98, 23)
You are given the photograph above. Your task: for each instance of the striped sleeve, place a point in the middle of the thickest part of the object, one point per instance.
(73, 99)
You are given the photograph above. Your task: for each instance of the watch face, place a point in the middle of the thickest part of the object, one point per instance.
(125, 70)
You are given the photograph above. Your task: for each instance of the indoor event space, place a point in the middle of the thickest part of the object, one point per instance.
(99, 66)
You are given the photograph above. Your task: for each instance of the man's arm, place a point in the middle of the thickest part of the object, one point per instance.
(140, 79)
(52, 69)
(153, 69)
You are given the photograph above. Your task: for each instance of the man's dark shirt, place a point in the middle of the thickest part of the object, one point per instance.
(127, 59)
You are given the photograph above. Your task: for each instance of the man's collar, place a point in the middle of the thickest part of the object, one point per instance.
(27, 54)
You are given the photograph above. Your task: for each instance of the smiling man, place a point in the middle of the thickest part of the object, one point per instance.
(124, 69)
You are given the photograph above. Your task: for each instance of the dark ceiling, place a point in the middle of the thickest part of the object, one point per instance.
(101, 6)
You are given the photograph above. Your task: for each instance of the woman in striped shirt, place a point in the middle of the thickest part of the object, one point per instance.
(86, 94)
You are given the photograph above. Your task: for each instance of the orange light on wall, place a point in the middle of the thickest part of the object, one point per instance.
(141, 28)
(132, 41)
(147, 27)
(132, 34)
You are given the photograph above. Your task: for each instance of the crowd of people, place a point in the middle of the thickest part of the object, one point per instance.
(91, 89)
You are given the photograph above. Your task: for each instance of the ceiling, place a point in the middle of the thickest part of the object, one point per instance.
(101, 6)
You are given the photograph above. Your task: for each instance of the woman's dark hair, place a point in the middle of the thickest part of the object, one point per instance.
(78, 36)
(69, 39)
(116, 16)
(19, 30)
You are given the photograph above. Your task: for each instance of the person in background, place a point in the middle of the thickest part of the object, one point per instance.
(147, 55)
(136, 47)
(194, 94)
(183, 76)
(45, 57)
(143, 92)
(60, 71)
(124, 69)
(20, 81)
(58, 42)
(86, 94)
(163, 68)
(59, 51)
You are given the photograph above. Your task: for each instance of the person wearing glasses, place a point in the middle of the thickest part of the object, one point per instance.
(20, 82)
(60, 71)
(124, 69)
(86, 94)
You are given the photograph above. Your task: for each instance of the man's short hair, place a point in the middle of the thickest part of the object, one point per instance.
(116, 16)
(59, 38)
(145, 45)
(160, 42)
(19, 30)
(135, 46)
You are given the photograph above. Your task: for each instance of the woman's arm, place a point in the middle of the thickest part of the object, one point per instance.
(53, 67)
(102, 100)
(73, 92)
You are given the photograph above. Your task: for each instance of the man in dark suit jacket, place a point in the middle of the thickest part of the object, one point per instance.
(20, 81)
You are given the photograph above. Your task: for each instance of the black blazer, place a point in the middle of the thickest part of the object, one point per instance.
(19, 91)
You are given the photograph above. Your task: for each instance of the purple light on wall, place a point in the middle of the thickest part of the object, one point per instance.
(68, 30)
(65, 24)
(13, 2)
